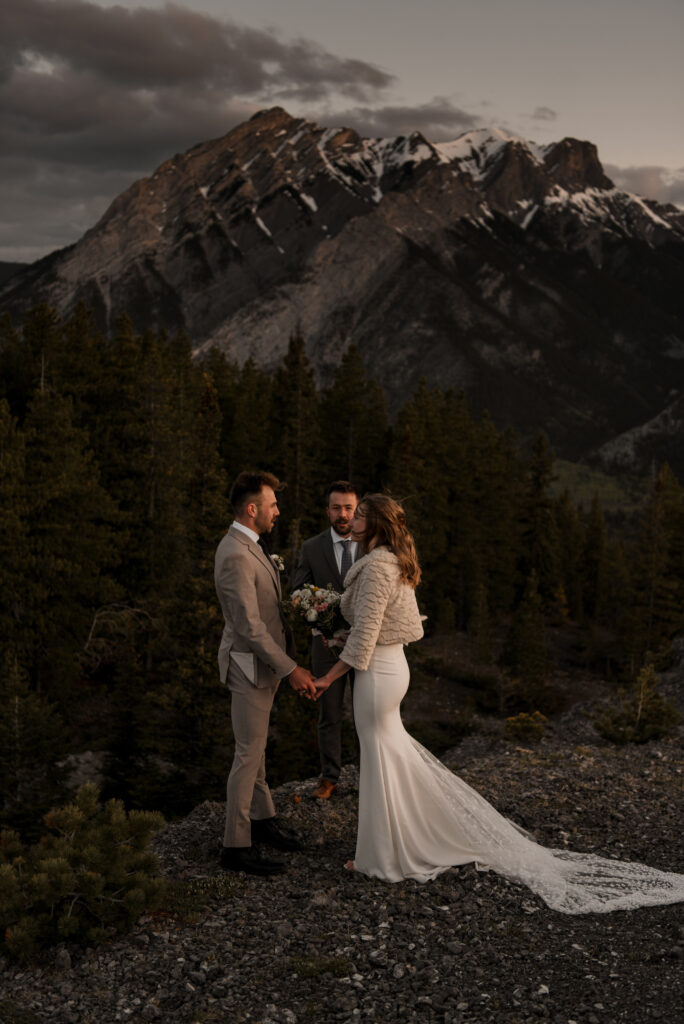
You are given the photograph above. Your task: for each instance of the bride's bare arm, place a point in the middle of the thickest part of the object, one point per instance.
(340, 668)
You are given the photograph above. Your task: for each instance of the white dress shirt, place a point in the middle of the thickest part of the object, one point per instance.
(338, 543)
(250, 533)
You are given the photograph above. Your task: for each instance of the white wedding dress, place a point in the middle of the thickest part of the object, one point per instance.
(417, 819)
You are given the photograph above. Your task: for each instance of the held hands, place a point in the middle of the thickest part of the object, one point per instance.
(302, 681)
(321, 686)
(338, 669)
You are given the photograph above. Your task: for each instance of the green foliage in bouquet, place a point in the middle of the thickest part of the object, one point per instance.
(527, 728)
(645, 715)
(90, 876)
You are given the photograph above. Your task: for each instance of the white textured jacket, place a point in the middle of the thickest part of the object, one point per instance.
(380, 608)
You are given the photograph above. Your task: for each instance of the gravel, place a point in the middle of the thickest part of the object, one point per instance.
(322, 944)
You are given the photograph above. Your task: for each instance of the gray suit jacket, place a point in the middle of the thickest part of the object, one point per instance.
(248, 587)
(317, 564)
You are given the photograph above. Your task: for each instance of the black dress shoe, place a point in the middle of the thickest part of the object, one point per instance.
(245, 858)
(265, 830)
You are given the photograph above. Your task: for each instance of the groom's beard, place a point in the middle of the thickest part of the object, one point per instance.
(344, 529)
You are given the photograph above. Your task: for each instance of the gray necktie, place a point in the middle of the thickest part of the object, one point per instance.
(346, 557)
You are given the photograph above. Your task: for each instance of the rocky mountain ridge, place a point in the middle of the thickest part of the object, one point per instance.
(515, 271)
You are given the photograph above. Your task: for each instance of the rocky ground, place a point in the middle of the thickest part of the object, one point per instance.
(325, 945)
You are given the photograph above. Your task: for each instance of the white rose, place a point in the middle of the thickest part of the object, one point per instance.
(311, 615)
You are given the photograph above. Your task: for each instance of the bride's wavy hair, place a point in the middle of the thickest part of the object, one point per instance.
(386, 525)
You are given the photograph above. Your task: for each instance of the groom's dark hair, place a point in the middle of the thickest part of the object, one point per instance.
(247, 487)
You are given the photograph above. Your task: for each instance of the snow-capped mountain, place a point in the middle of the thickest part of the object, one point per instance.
(516, 271)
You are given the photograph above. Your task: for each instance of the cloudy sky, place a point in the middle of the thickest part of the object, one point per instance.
(95, 94)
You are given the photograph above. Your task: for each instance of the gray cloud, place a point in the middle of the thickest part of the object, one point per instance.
(47, 205)
(145, 48)
(93, 98)
(438, 120)
(543, 114)
(666, 186)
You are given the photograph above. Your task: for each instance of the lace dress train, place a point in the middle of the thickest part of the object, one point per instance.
(417, 819)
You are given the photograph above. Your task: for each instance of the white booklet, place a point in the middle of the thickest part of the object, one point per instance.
(245, 661)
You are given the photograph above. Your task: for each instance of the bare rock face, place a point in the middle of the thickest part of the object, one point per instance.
(575, 165)
(515, 271)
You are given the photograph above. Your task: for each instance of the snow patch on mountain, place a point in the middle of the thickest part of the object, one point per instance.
(477, 151)
(622, 451)
(310, 201)
(263, 227)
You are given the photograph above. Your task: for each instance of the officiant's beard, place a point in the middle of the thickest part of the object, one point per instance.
(343, 528)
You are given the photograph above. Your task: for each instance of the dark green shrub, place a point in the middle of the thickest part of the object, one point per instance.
(187, 899)
(90, 876)
(644, 716)
(526, 728)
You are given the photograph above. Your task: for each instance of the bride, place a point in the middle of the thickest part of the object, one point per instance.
(416, 818)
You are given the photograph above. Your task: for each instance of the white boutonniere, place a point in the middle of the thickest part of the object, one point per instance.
(278, 562)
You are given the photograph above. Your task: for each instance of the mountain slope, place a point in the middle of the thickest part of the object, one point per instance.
(516, 271)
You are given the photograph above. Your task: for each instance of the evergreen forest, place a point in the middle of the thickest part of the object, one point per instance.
(116, 457)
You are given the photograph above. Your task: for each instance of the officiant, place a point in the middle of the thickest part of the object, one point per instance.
(325, 560)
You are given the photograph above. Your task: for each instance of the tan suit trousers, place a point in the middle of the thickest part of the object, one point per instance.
(248, 797)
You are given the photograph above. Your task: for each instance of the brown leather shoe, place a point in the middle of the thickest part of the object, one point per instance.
(324, 790)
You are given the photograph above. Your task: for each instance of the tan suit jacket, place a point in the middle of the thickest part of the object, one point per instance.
(248, 587)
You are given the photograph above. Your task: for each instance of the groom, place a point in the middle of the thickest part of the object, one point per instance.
(326, 559)
(254, 655)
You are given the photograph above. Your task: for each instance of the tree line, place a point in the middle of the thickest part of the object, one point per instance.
(116, 454)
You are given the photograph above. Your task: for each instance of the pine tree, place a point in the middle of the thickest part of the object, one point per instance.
(32, 741)
(142, 448)
(525, 650)
(657, 613)
(70, 520)
(17, 577)
(463, 485)
(91, 874)
(28, 359)
(480, 627)
(571, 547)
(226, 377)
(188, 723)
(252, 441)
(297, 445)
(495, 495)
(354, 425)
(78, 366)
(593, 562)
(539, 540)
(15, 373)
(418, 478)
(461, 567)
(644, 715)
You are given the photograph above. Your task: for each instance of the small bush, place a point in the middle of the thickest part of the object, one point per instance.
(92, 875)
(315, 966)
(645, 715)
(187, 900)
(10, 1013)
(526, 728)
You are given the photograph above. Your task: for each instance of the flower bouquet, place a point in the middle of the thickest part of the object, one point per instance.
(320, 607)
